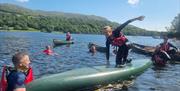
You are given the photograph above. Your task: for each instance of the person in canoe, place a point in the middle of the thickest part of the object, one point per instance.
(164, 52)
(68, 36)
(159, 57)
(116, 38)
(15, 78)
(169, 48)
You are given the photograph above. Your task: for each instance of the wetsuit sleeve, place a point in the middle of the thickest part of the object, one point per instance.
(118, 29)
(107, 49)
(171, 45)
(19, 81)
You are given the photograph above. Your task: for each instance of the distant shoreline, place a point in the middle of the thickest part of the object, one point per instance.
(18, 31)
(54, 32)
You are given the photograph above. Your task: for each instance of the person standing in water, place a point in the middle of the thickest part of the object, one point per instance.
(116, 38)
(48, 50)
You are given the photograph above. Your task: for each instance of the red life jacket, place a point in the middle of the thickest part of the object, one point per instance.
(158, 60)
(68, 37)
(165, 47)
(3, 84)
(119, 41)
(29, 76)
(48, 52)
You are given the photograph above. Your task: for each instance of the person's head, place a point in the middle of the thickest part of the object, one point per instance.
(165, 39)
(48, 47)
(68, 33)
(93, 49)
(21, 61)
(107, 30)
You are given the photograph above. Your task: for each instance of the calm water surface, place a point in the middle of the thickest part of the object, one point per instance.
(77, 56)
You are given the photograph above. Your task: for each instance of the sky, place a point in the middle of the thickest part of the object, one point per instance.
(158, 13)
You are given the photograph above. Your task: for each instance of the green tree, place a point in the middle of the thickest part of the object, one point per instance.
(174, 29)
(5, 27)
(17, 27)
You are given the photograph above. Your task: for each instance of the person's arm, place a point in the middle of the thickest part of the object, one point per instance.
(107, 50)
(118, 29)
(171, 45)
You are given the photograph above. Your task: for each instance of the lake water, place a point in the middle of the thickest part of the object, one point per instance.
(77, 56)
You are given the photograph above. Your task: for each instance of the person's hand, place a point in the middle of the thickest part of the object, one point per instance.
(140, 18)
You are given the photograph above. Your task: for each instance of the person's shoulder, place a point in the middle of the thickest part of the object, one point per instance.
(20, 75)
(19, 80)
(17, 76)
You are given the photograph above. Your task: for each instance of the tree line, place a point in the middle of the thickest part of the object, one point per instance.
(174, 29)
(18, 18)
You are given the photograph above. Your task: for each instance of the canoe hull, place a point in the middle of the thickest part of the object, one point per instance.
(61, 42)
(149, 50)
(142, 49)
(85, 77)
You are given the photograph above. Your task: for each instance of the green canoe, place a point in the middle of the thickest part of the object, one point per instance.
(86, 77)
(61, 42)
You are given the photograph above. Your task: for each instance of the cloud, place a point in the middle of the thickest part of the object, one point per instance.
(133, 2)
(22, 1)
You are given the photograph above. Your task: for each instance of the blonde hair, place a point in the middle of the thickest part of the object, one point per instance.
(107, 28)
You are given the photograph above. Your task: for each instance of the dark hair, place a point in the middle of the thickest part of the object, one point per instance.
(48, 47)
(17, 57)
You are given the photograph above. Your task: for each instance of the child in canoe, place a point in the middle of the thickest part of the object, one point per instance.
(68, 36)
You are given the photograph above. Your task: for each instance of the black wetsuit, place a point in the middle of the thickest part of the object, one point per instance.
(122, 52)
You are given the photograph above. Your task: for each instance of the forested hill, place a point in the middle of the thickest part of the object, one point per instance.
(19, 18)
